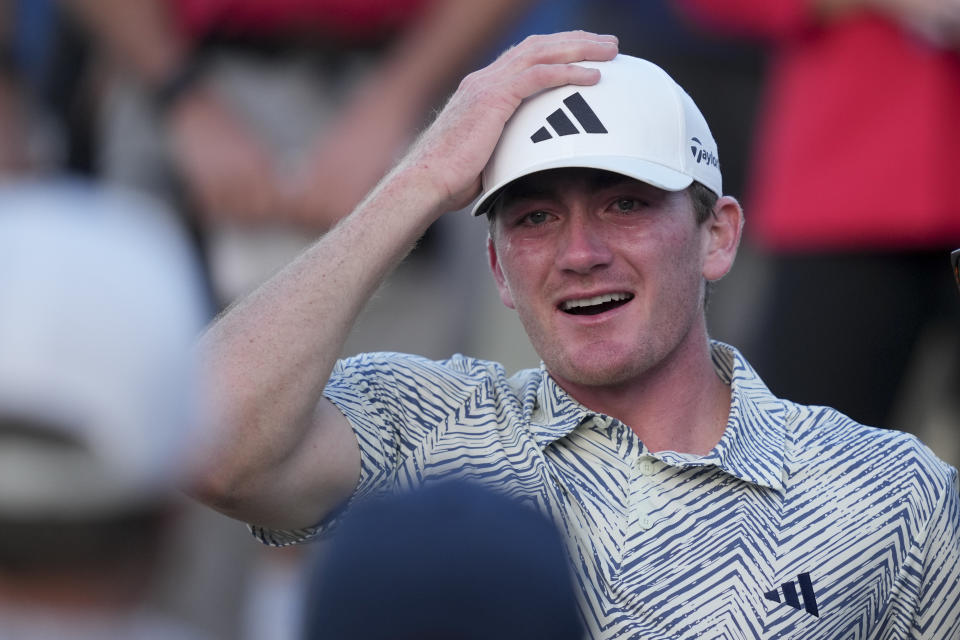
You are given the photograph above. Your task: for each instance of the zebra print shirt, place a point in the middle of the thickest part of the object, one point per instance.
(800, 524)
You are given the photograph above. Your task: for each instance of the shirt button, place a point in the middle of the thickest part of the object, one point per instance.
(645, 521)
(645, 467)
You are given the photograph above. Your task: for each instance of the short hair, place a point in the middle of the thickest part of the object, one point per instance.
(704, 201)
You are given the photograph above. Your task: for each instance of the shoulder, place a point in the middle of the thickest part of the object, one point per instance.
(825, 443)
(457, 376)
(385, 364)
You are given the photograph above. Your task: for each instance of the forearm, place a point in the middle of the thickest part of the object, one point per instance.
(269, 357)
(272, 445)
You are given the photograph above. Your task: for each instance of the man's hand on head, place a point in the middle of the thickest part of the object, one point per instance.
(455, 148)
(291, 455)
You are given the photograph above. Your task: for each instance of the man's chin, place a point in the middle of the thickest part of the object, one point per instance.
(593, 372)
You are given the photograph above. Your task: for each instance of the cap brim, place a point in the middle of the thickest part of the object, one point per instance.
(40, 481)
(642, 170)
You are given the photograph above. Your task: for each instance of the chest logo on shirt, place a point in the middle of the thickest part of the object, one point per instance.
(790, 597)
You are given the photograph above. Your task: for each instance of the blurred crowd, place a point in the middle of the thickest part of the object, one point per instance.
(161, 158)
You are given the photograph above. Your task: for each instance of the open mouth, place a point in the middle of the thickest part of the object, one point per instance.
(595, 305)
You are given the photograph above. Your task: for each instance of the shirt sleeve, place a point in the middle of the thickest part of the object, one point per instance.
(393, 402)
(382, 396)
(937, 616)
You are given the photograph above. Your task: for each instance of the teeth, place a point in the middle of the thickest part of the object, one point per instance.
(589, 302)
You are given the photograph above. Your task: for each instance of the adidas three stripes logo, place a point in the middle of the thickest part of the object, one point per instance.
(789, 590)
(563, 126)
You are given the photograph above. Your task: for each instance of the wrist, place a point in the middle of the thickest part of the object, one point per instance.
(411, 193)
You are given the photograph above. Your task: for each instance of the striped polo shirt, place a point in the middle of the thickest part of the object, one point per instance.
(800, 524)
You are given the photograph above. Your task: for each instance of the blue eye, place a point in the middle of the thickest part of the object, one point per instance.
(627, 204)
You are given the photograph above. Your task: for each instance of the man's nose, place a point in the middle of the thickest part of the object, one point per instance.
(584, 246)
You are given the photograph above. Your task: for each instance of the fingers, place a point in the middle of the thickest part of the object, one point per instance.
(546, 61)
(558, 48)
(449, 157)
(543, 76)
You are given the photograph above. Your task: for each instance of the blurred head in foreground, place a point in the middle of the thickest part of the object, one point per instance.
(100, 300)
(452, 561)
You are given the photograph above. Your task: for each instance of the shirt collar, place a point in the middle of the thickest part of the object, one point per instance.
(752, 445)
(554, 414)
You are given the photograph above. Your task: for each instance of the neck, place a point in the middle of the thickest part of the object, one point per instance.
(680, 405)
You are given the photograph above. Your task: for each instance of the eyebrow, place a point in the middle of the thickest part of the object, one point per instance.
(533, 187)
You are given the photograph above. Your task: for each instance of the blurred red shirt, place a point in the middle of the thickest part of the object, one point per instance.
(858, 143)
(346, 19)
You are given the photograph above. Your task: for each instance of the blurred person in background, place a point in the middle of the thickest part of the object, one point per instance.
(274, 118)
(267, 121)
(452, 561)
(853, 201)
(44, 107)
(100, 299)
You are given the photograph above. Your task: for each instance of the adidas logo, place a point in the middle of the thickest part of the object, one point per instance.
(562, 125)
(790, 597)
(703, 155)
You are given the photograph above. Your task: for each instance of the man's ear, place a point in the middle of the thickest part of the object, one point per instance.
(505, 296)
(722, 238)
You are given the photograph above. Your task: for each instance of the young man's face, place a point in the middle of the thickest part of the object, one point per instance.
(605, 272)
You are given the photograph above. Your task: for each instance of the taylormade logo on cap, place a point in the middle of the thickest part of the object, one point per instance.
(635, 121)
(701, 154)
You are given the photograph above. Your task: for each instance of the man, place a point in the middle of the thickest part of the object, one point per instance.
(693, 502)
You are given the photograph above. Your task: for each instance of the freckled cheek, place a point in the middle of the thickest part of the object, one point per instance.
(527, 276)
(524, 260)
(674, 247)
(515, 272)
(666, 263)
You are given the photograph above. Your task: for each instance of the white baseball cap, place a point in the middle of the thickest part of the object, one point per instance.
(635, 121)
(100, 302)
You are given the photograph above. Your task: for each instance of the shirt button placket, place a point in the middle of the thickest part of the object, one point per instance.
(645, 521)
(645, 469)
